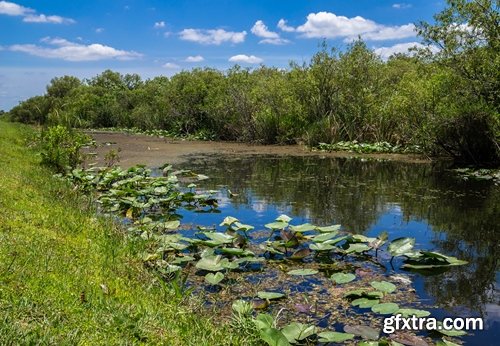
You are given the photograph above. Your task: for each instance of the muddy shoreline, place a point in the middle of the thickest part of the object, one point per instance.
(151, 151)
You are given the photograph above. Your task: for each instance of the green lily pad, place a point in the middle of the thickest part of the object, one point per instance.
(302, 272)
(236, 251)
(365, 303)
(228, 221)
(412, 312)
(357, 247)
(400, 246)
(334, 337)
(328, 229)
(320, 238)
(277, 225)
(342, 278)
(295, 331)
(303, 228)
(383, 286)
(385, 308)
(284, 218)
(321, 247)
(211, 263)
(214, 279)
(269, 295)
(364, 331)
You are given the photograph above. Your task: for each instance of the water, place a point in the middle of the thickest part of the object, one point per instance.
(424, 201)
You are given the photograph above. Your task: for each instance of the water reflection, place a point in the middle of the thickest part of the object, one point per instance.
(425, 201)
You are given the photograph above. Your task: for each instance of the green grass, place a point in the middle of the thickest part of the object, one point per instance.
(68, 276)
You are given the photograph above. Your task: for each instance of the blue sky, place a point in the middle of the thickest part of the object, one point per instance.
(44, 39)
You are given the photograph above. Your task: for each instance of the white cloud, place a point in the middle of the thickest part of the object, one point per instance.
(270, 37)
(159, 25)
(12, 9)
(284, 27)
(99, 30)
(41, 18)
(329, 25)
(171, 65)
(196, 58)
(59, 48)
(248, 59)
(391, 33)
(401, 6)
(400, 48)
(260, 29)
(30, 15)
(215, 36)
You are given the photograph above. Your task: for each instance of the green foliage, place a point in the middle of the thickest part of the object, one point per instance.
(60, 147)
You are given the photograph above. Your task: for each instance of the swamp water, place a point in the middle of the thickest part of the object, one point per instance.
(444, 213)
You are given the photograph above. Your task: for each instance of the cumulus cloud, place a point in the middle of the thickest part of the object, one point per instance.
(401, 48)
(41, 18)
(270, 37)
(248, 59)
(214, 36)
(159, 25)
(59, 48)
(284, 27)
(12, 9)
(30, 16)
(196, 58)
(401, 6)
(329, 25)
(171, 65)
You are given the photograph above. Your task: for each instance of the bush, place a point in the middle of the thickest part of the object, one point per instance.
(60, 147)
(470, 138)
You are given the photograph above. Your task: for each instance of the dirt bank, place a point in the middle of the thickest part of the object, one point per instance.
(154, 151)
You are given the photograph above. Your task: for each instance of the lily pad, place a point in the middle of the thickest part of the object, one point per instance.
(303, 228)
(358, 248)
(171, 224)
(284, 218)
(228, 221)
(334, 337)
(300, 254)
(328, 229)
(400, 246)
(277, 225)
(214, 279)
(383, 286)
(412, 312)
(295, 331)
(302, 272)
(320, 238)
(269, 295)
(364, 331)
(321, 247)
(342, 278)
(385, 308)
(365, 302)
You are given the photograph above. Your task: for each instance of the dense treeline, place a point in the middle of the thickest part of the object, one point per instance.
(446, 102)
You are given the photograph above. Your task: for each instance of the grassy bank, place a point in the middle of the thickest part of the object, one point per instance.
(70, 277)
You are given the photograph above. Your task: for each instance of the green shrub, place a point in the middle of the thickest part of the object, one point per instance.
(470, 138)
(60, 147)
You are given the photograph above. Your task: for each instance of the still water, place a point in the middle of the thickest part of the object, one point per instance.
(426, 201)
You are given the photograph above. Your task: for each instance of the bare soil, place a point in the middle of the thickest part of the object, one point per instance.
(154, 151)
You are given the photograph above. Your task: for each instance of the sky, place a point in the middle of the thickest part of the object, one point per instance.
(41, 40)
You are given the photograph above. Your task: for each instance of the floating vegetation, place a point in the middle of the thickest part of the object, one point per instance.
(309, 272)
(203, 135)
(368, 148)
(479, 174)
